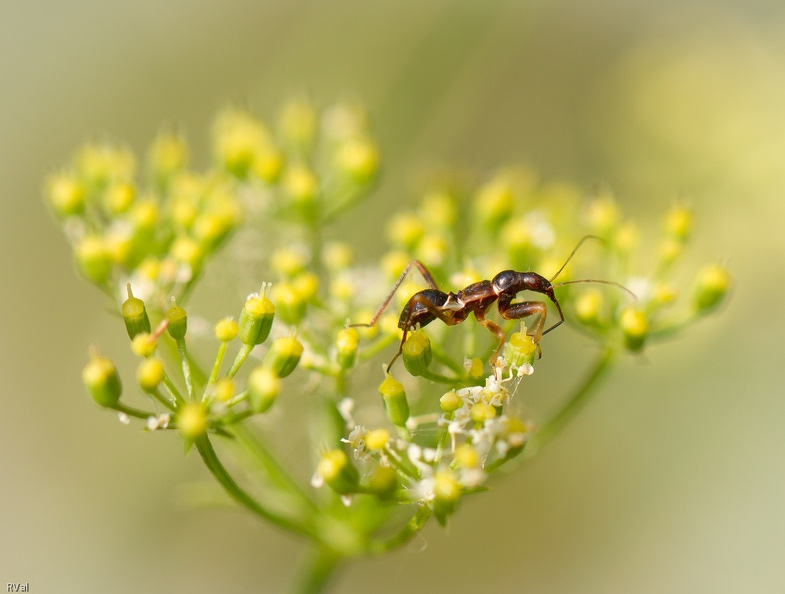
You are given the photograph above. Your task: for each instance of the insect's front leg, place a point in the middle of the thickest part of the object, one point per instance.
(518, 311)
(423, 308)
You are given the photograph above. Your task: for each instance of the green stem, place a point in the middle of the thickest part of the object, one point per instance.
(236, 492)
(186, 365)
(413, 526)
(276, 473)
(319, 568)
(242, 355)
(219, 357)
(550, 429)
(156, 393)
(132, 412)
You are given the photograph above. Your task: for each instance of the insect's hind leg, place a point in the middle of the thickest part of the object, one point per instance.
(426, 274)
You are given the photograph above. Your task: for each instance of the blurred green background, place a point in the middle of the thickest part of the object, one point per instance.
(672, 480)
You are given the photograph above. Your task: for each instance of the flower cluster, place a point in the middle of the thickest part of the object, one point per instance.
(444, 419)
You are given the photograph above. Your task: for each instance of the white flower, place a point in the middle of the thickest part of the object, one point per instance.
(345, 408)
(160, 421)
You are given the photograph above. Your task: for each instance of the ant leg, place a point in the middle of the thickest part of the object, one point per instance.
(400, 351)
(426, 274)
(517, 311)
(493, 327)
(433, 309)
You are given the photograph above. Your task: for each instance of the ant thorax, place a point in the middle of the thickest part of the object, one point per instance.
(453, 303)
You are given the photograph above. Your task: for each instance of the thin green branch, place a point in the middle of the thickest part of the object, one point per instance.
(579, 398)
(236, 492)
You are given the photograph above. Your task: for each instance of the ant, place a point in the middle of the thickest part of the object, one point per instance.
(453, 308)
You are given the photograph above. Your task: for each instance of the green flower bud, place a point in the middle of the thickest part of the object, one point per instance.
(298, 122)
(520, 349)
(338, 472)
(494, 204)
(223, 390)
(102, 381)
(447, 494)
(268, 164)
(302, 186)
(188, 251)
(515, 435)
(635, 326)
(346, 347)
(711, 287)
(177, 321)
(291, 305)
(405, 229)
(65, 194)
(283, 356)
(439, 208)
(383, 482)
(256, 319)
(150, 373)
(482, 411)
(238, 139)
(602, 215)
(678, 222)
(467, 456)
(475, 367)
(167, 156)
(450, 402)
(358, 159)
(588, 306)
(118, 197)
(395, 404)
(263, 388)
(134, 315)
(337, 256)
(417, 353)
(93, 259)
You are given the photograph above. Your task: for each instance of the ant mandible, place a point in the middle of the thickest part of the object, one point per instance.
(453, 308)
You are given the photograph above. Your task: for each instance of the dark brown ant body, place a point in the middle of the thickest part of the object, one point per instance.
(453, 308)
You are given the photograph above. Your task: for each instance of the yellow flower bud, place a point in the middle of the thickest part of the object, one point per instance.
(144, 344)
(65, 194)
(712, 285)
(416, 353)
(150, 374)
(191, 420)
(263, 388)
(450, 402)
(284, 355)
(377, 439)
(359, 159)
(226, 330)
(635, 326)
(338, 472)
(395, 403)
(482, 411)
(102, 381)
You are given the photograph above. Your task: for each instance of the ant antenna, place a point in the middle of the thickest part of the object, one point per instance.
(575, 249)
(601, 282)
(574, 282)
